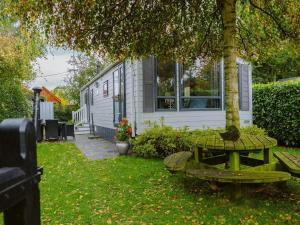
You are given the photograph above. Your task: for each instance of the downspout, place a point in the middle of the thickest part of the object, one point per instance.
(133, 100)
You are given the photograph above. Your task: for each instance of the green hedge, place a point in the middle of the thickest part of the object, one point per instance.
(64, 113)
(13, 103)
(276, 108)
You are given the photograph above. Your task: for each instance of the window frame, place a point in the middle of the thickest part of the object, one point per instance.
(105, 90)
(156, 97)
(181, 108)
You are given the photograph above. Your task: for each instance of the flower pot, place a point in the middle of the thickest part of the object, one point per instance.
(122, 147)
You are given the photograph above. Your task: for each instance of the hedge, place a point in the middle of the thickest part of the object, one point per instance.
(276, 108)
(13, 103)
(64, 113)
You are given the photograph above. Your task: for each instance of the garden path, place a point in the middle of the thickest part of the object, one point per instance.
(95, 149)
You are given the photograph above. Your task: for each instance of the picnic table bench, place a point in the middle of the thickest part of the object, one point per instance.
(289, 161)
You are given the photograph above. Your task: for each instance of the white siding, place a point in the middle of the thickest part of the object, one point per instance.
(103, 106)
(192, 119)
(46, 110)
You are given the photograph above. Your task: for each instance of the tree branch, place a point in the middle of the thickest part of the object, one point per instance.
(286, 33)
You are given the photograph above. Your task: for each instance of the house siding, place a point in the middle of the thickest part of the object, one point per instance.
(102, 109)
(200, 119)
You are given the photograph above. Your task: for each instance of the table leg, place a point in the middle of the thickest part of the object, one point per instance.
(196, 153)
(268, 155)
(234, 160)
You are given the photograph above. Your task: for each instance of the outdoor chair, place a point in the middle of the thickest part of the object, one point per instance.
(70, 130)
(51, 129)
(62, 130)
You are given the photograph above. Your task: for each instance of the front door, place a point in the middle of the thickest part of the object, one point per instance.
(87, 103)
(119, 95)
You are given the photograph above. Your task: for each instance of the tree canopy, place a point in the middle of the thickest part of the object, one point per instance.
(18, 47)
(83, 69)
(176, 29)
(18, 50)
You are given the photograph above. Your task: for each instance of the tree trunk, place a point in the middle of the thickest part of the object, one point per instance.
(228, 11)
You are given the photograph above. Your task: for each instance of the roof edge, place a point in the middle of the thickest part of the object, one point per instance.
(109, 67)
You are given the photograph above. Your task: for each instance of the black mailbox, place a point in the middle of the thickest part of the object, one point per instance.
(19, 173)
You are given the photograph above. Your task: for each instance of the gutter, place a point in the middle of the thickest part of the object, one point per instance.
(103, 72)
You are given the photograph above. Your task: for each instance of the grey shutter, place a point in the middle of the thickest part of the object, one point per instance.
(148, 84)
(243, 73)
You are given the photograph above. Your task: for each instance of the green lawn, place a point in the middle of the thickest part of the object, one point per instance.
(129, 190)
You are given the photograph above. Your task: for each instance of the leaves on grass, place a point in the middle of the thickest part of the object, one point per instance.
(129, 190)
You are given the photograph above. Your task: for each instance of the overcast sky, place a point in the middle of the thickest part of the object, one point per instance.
(56, 61)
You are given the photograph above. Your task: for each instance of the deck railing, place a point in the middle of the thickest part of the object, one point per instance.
(80, 116)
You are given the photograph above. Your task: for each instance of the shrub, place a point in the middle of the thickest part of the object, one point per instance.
(13, 103)
(276, 108)
(160, 140)
(63, 113)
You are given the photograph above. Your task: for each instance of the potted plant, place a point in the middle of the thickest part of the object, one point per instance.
(123, 135)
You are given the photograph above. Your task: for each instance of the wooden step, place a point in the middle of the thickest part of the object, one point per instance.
(227, 176)
(290, 161)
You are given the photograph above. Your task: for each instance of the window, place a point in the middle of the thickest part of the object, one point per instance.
(105, 88)
(97, 88)
(165, 85)
(201, 87)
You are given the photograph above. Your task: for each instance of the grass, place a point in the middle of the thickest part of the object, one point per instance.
(129, 190)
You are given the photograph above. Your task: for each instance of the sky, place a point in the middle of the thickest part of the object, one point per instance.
(52, 68)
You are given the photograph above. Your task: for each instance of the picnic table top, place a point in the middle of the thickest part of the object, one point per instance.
(244, 143)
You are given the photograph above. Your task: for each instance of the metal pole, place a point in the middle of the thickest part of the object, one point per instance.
(36, 107)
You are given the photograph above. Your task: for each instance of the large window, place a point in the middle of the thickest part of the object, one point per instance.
(201, 87)
(165, 85)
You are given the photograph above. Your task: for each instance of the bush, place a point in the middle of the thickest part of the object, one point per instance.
(160, 141)
(63, 113)
(276, 108)
(13, 103)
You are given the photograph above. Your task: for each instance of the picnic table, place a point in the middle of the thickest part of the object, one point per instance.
(216, 159)
(234, 150)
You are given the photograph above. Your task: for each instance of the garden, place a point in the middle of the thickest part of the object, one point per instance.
(171, 175)
(133, 190)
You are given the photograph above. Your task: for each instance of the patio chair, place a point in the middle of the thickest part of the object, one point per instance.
(70, 130)
(51, 130)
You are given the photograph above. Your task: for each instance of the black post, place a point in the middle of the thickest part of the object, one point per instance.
(20, 175)
(36, 109)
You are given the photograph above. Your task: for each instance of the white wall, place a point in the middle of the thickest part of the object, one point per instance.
(46, 110)
(192, 119)
(103, 106)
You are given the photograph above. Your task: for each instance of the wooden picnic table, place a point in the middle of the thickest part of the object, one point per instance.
(233, 150)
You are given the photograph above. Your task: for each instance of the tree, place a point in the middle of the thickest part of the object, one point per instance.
(281, 62)
(18, 50)
(178, 30)
(84, 68)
